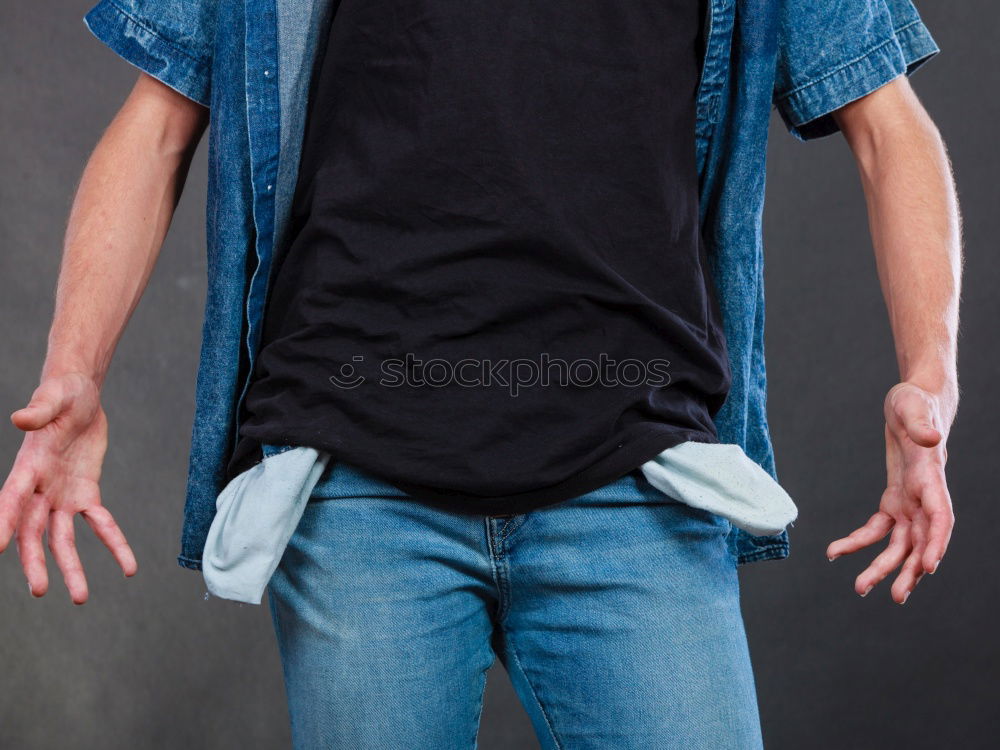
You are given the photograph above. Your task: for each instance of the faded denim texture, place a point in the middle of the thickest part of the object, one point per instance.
(250, 62)
(615, 613)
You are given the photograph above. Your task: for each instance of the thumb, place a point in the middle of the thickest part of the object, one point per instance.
(45, 405)
(913, 409)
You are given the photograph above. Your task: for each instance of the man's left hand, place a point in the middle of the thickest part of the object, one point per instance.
(916, 505)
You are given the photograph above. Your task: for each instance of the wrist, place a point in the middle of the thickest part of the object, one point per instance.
(940, 383)
(60, 368)
(70, 353)
(934, 371)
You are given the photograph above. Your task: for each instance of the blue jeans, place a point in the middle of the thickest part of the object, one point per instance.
(616, 614)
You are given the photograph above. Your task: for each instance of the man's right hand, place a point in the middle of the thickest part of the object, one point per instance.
(56, 474)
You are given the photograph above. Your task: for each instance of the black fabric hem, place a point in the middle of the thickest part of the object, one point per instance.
(626, 460)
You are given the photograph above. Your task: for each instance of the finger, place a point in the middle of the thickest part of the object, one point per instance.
(62, 544)
(886, 561)
(915, 414)
(16, 491)
(911, 571)
(103, 524)
(936, 504)
(46, 403)
(29, 545)
(908, 577)
(875, 528)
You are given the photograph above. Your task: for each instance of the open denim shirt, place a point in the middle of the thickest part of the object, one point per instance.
(250, 62)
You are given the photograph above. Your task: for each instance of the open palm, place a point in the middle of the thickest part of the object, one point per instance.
(55, 475)
(915, 506)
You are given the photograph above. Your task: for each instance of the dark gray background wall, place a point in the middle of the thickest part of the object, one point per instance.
(150, 663)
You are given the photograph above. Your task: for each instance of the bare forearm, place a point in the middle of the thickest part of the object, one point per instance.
(916, 231)
(119, 218)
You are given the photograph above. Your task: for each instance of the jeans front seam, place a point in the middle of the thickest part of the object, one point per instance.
(498, 566)
(478, 713)
(534, 693)
(513, 524)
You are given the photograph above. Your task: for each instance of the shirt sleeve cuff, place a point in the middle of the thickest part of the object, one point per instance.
(806, 109)
(142, 46)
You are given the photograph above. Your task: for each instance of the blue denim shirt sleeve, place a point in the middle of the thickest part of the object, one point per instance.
(171, 40)
(832, 53)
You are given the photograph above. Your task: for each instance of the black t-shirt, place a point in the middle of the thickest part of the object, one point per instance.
(491, 193)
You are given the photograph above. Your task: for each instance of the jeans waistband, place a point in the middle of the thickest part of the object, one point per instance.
(342, 480)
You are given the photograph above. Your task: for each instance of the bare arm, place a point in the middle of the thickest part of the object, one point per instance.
(916, 231)
(119, 218)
